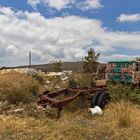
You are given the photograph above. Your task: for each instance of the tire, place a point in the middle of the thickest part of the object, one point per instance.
(95, 98)
(103, 99)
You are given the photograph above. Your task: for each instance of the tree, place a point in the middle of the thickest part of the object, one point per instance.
(90, 62)
(57, 66)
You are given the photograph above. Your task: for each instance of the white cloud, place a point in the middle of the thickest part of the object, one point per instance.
(12, 50)
(90, 4)
(34, 3)
(118, 57)
(6, 11)
(57, 4)
(61, 4)
(67, 38)
(128, 18)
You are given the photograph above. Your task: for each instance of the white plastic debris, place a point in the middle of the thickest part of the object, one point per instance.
(54, 74)
(48, 82)
(96, 110)
(65, 78)
(18, 111)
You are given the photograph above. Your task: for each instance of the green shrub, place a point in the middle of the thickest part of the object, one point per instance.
(72, 83)
(119, 91)
(39, 77)
(18, 94)
(85, 80)
(81, 80)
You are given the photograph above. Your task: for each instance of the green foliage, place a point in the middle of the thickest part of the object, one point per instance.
(81, 80)
(72, 83)
(18, 94)
(39, 77)
(57, 66)
(90, 62)
(119, 91)
(85, 80)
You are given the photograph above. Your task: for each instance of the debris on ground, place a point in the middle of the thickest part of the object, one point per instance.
(96, 110)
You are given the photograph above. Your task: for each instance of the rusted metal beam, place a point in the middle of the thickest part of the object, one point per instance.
(50, 98)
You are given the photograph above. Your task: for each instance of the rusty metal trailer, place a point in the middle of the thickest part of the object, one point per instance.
(96, 95)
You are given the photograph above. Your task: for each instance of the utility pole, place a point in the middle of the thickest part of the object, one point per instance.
(30, 59)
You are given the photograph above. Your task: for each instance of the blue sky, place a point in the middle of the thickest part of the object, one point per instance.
(63, 29)
(111, 9)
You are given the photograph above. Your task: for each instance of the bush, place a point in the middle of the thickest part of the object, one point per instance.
(81, 80)
(39, 77)
(72, 83)
(16, 88)
(119, 91)
(17, 95)
(85, 80)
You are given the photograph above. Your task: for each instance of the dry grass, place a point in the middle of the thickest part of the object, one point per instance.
(16, 87)
(124, 114)
(79, 125)
(120, 120)
(22, 129)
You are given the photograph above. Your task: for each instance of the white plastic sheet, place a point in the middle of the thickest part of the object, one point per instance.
(96, 110)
